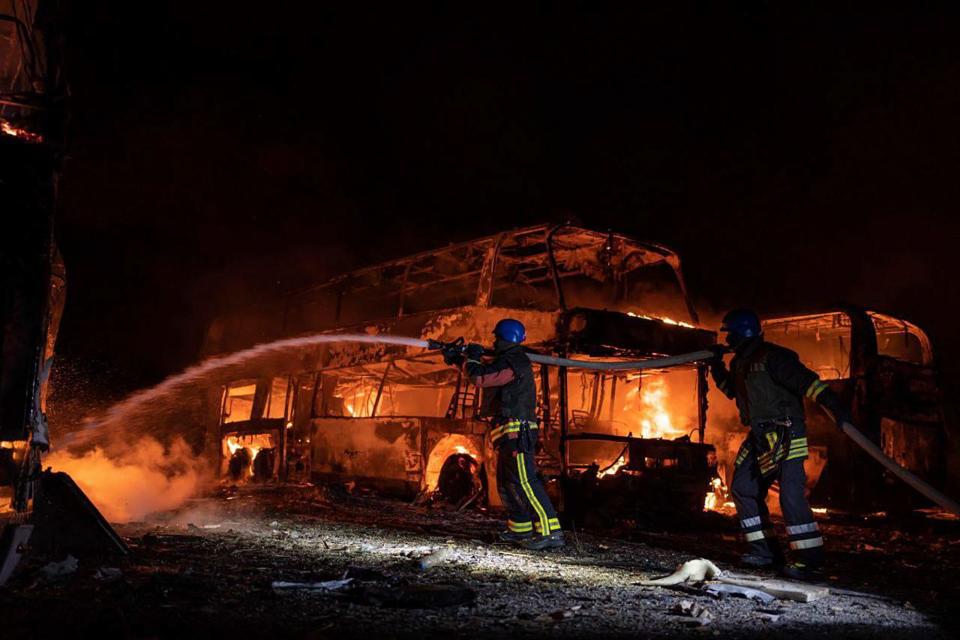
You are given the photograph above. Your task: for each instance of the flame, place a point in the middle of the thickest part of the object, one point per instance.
(252, 443)
(717, 498)
(656, 421)
(612, 469)
(448, 446)
(18, 132)
(358, 402)
(663, 319)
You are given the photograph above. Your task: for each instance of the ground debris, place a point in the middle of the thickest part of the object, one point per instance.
(720, 590)
(419, 596)
(108, 574)
(699, 614)
(328, 586)
(219, 582)
(562, 614)
(691, 571)
(363, 574)
(434, 558)
(65, 567)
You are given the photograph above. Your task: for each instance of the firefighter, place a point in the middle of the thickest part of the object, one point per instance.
(509, 402)
(769, 384)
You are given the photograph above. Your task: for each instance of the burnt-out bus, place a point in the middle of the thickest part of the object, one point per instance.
(399, 420)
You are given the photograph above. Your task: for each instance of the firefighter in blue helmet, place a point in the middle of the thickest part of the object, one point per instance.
(510, 403)
(769, 384)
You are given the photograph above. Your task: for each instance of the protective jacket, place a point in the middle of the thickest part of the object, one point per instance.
(769, 383)
(517, 399)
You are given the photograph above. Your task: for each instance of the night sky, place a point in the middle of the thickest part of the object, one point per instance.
(222, 154)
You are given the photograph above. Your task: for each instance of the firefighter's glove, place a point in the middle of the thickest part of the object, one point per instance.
(718, 353)
(453, 354)
(474, 352)
(832, 402)
(841, 415)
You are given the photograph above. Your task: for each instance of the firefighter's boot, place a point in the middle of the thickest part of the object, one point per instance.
(763, 554)
(550, 541)
(516, 537)
(803, 571)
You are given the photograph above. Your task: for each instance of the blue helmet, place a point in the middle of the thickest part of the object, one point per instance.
(741, 324)
(510, 330)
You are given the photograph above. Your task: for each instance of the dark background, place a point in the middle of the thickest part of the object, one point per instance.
(222, 154)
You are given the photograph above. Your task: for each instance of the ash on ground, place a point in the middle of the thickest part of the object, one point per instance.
(314, 562)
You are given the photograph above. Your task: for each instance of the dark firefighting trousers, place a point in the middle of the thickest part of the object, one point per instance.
(774, 452)
(521, 491)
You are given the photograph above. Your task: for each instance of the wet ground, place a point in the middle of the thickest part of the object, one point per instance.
(384, 568)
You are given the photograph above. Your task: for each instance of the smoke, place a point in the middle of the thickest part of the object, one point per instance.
(131, 480)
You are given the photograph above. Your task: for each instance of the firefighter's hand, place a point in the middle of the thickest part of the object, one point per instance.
(718, 352)
(474, 352)
(842, 416)
(453, 355)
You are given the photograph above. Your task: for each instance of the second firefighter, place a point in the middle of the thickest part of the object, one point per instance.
(769, 384)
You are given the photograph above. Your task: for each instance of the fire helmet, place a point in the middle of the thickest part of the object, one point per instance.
(510, 330)
(741, 324)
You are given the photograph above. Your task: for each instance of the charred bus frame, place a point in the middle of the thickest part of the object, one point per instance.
(580, 292)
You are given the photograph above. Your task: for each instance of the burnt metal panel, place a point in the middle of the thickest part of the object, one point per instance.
(607, 333)
(378, 450)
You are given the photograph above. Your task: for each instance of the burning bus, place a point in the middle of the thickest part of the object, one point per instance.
(399, 420)
(882, 367)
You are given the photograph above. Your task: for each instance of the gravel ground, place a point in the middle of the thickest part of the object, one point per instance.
(210, 569)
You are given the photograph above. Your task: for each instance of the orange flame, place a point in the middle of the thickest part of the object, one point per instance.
(252, 443)
(448, 446)
(663, 319)
(655, 421)
(717, 498)
(18, 132)
(612, 469)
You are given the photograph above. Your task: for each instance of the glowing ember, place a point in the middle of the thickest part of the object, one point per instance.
(819, 510)
(18, 132)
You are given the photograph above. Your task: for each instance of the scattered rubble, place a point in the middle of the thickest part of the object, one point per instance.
(701, 615)
(354, 568)
(720, 590)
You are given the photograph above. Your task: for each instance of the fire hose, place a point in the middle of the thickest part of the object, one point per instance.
(598, 365)
(221, 364)
(928, 491)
